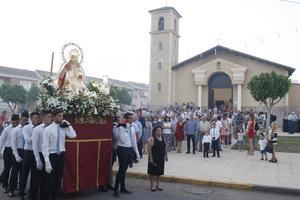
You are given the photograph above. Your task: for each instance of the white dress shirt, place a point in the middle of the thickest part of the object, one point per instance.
(206, 139)
(219, 124)
(37, 140)
(17, 139)
(50, 139)
(27, 133)
(215, 133)
(5, 137)
(126, 137)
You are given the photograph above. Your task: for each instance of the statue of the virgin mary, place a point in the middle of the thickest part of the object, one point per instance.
(71, 76)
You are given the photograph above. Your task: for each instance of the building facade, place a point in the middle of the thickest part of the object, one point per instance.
(216, 77)
(163, 55)
(139, 92)
(12, 76)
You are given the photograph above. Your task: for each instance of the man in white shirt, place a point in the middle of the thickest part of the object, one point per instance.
(204, 129)
(139, 132)
(37, 146)
(17, 145)
(29, 160)
(126, 141)
(215, 135)
(53, 151)
(5, 142)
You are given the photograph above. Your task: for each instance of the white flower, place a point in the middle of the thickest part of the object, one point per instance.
(104, 89)
(52, 102)
(64, 106)
(69, 96)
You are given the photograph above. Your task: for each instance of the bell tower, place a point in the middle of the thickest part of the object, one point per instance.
(163, 55)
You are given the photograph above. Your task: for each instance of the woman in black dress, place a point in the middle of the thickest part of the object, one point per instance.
(157, 157)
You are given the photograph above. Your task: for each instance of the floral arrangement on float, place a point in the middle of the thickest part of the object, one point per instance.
(68, 91)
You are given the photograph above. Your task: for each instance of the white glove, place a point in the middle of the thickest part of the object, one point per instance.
(138, 157)
(39, 164)
(48, 167)
(19, 159)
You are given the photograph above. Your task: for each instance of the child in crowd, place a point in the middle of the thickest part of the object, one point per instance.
(240, 139)
(206, 141)
(262, 146)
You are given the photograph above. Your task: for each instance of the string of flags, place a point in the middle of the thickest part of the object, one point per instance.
(257, 41)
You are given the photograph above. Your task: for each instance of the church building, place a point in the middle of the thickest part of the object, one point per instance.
(218, 76)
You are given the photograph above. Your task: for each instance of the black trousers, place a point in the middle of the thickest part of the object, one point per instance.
(41, 177)
(53, 180)
(7, 157)
(216, 147)
(124, 157)
(29, 165)
(291, 126)
(189, 138)
(206, 149)
(140, 147)
(16, 171)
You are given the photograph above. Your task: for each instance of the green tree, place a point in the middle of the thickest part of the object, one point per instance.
(32, 95)
(12, 95)
(120, 95)
(269, 89)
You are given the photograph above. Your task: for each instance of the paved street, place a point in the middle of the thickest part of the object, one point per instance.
(232, 167)
(173, 191)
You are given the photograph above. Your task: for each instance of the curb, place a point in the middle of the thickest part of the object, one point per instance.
(220, 184)
(281, 190)
(173, 179)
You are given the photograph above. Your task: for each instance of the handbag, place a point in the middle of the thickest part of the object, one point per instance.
(269, 148)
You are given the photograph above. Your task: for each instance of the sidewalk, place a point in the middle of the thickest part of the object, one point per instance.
(233, 170)
(281, 133)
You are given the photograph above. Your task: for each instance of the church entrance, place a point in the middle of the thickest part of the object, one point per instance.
(220, 91)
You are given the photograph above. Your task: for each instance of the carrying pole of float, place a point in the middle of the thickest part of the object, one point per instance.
(51, 70)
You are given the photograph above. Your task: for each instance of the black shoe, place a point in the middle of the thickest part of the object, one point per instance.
(188, 152)
(102, 189)
(109, 187)
(213, 155)
(194, 152)
(136, 161)
(116, 194)
(126, 191)
(4, 190)
(130, 165)
(11, 194)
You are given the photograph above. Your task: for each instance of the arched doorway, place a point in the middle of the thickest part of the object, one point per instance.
(220, 91)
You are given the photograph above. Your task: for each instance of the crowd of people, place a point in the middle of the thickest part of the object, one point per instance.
(158, 133)
(35, 144)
